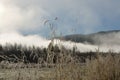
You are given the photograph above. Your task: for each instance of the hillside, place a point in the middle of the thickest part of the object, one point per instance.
(94, 38)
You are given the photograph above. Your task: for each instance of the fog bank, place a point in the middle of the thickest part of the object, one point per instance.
(37, 41)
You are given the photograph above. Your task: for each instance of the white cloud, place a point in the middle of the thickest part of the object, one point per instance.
(21, 14)
(14, 17)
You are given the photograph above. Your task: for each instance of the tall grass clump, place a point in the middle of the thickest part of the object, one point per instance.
(68, 71)
(104, 68)
(67, 66)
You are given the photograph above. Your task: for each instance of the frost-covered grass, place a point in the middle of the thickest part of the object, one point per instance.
(18, 62)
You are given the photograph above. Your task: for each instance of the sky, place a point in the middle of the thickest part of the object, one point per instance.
(67, 16)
